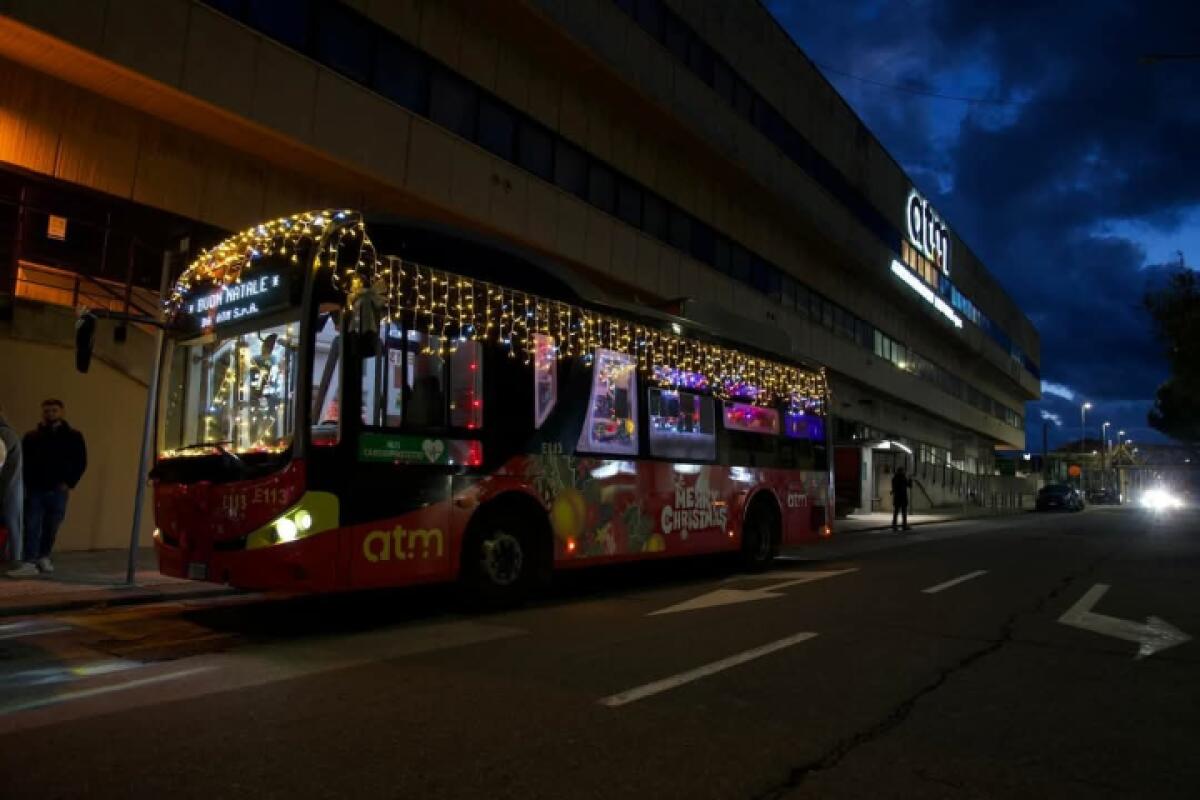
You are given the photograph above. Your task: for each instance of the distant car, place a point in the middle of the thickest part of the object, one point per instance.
(1106, 496)
(1059, 497)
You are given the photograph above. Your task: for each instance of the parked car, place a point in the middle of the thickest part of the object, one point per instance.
(1059, 497)
(1107, 496)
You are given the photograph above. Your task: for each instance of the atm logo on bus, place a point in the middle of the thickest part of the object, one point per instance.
(401, 544)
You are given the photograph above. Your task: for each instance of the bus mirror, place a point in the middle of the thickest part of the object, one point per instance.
(85, 340)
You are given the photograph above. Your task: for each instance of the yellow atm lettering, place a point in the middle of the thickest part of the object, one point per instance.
(403, 544)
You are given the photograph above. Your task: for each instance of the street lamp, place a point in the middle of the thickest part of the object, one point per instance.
(1083, 409)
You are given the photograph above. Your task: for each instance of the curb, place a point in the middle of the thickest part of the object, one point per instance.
(123, 597)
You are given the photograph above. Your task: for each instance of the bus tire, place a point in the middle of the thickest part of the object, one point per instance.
(501, 561)
(760, 535)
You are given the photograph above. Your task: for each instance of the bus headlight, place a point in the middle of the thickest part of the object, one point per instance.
(285, 529)
(316, 512)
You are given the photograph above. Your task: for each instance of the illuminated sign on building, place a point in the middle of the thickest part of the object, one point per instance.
(920, 287)
(927, 231)
(251, 297)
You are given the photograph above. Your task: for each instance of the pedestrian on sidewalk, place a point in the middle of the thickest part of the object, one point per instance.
(55, 458)
(12, 490)
(901, 483)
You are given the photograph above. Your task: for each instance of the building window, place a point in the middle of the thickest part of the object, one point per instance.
(453, 103)
(497, 129)
(680, 233)
(401, 74)
(570, 169)
(602, 187)
(629, 203)
(293, 29)
(344, 42)
(654, 216)
(536, 150)
(650, 16)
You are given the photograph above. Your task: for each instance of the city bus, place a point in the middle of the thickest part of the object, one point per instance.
(345, 409)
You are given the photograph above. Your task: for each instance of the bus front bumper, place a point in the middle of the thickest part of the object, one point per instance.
(305, 565)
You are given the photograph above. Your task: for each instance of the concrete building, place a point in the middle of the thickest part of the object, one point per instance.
(666, 148)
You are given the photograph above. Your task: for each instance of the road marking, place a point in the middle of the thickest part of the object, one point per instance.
(960, 579)
(724, 597)
(1155, 635)
(81, 694)
(666, 684)
(15, 630)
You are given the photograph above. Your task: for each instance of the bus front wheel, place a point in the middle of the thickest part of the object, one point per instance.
(760, 536)
(500, 561)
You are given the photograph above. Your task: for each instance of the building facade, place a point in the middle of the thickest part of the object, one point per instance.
(667, 149)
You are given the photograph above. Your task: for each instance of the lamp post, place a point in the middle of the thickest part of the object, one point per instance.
(1083, 409)
(1104, 445)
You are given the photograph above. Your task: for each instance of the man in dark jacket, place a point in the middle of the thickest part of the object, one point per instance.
(55, 458)
(900, 486)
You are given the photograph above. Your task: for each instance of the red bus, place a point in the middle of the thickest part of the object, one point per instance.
(332, 417)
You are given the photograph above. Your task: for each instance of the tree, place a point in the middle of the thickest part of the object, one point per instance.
(1176, 313)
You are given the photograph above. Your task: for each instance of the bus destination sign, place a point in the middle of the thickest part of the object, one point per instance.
(212, 307)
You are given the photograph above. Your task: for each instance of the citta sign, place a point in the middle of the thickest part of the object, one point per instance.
(248, 298)
(927, 231)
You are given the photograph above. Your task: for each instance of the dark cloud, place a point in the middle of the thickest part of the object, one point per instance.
(1077, 137)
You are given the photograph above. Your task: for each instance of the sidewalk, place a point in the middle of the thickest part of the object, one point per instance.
(882, 520)
(97, 578)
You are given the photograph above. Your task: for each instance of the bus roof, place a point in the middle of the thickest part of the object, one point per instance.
(741, 354)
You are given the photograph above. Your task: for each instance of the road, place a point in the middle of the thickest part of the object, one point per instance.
(972, 659)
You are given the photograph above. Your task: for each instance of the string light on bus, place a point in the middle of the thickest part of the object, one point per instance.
(454, 308)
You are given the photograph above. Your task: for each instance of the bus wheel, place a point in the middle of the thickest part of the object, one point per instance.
(760, 537)
(499, 563)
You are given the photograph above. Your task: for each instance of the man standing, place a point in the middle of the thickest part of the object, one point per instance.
(900, 487)
(12, 493)
(55, 458)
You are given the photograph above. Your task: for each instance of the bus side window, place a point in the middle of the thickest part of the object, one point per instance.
(327, 349)
(611, 424)
(545, 378)
(383, 380)
(466, 386)
(423, 381)
(682, 424)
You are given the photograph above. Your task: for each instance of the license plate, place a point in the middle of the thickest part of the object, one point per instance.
(198, 571)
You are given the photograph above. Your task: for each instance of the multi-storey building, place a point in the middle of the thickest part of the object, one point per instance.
(666, 149)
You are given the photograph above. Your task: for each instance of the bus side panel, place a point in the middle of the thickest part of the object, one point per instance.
(416, 547)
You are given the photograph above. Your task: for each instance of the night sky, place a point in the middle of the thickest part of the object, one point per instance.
(1070, 168)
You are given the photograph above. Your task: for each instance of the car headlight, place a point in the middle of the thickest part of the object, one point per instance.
(1160, 500)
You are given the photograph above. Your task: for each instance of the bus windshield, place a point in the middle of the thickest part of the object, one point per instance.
(236, 391)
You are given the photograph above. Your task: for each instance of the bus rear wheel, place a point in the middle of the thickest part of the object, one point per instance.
(500, 561)
(760, 537)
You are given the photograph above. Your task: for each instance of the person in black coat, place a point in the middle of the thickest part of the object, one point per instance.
(901, 483)
(55, 458)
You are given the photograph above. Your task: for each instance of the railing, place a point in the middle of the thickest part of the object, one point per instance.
(71, 289)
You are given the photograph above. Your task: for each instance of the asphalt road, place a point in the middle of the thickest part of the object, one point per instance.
(936, 664)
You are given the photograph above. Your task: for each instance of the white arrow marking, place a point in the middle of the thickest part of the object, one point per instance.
(1155, 635)
(725, 597)
(663, 685)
